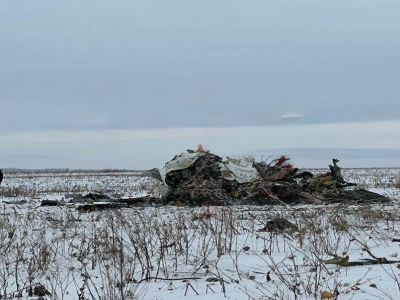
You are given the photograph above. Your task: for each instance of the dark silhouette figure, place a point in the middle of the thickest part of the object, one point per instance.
(336, 172)
(1, 176)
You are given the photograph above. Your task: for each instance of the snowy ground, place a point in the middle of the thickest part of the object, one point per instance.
(192, 253)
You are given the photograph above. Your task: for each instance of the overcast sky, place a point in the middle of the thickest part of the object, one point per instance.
(127, 83)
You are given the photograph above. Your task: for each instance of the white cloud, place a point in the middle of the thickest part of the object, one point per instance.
(292, 116)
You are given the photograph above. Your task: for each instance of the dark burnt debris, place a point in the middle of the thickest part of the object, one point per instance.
(197, 178)
(279, 224)
(201, 178)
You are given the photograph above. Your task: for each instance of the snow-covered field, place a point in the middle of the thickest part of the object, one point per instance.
(193, 253)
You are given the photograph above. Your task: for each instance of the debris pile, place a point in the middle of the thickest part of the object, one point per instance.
(201, 178)
(197, 178)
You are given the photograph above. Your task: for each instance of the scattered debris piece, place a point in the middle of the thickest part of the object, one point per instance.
(16, 202)
(118, 203)
(51, 203)
(246, 248)
(344, 261)
(154, 173)
(40, 291)
(96, 196)
(278, 225)
(99, 206)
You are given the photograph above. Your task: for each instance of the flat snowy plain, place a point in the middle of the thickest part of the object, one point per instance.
(192, 253)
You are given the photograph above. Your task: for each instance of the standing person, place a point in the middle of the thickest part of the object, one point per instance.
(1, 176)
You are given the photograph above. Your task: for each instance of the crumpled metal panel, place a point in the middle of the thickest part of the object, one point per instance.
(179, 162)
(239, 169)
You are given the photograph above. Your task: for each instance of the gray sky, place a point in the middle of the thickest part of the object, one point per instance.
(72, 72)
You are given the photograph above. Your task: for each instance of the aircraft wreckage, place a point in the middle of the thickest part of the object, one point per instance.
(197, 178)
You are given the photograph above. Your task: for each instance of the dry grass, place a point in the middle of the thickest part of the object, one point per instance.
(113, 254)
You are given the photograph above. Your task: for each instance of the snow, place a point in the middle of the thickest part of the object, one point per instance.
(67, 251)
